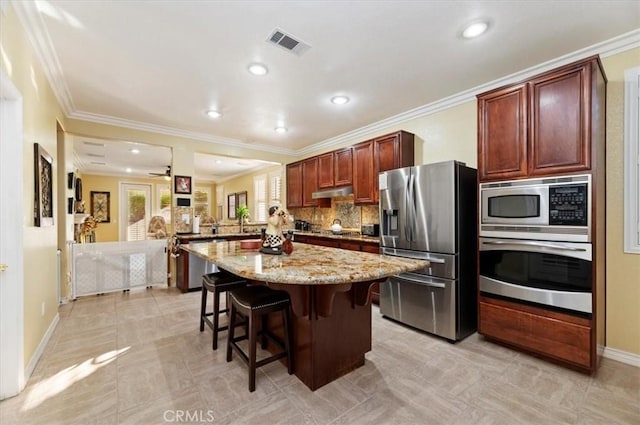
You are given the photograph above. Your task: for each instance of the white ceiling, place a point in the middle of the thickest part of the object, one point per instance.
(159, 65)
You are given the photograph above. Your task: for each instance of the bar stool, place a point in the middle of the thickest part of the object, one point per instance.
(217, 283)
(255, 303)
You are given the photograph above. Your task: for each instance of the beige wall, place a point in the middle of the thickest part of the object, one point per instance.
(40, 113)
(623, 270)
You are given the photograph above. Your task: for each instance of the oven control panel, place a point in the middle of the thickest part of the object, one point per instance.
(568, 205)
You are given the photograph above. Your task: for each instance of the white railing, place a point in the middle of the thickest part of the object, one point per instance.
(115, 266)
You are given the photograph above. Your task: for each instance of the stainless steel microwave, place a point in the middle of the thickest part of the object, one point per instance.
(552, 208)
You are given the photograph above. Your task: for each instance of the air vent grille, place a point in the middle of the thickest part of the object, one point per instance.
(287, 42)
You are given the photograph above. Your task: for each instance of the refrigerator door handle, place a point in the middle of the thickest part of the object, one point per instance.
(411, 208)
(407, 203)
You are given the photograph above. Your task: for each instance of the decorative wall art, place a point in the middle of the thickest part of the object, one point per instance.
(101, 206)
(43, 187)
(231, 206)
(182, 184)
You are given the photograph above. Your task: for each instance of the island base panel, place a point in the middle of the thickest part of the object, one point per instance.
(326, 348)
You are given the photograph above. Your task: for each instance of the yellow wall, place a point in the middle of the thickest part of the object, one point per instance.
(40, 113)
(109, 232)
(623, 270)
(245, 183)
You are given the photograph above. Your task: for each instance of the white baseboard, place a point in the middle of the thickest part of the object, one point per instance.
(621, 356)
(43, 343)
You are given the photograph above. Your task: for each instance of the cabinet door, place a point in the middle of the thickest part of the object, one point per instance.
(559, 127)
(552, 334)
(502, 133)
(387, 153)
(343, 167)
(294, 185)
(325, 170)
(364, 174)
(309, 181)
(392, 151)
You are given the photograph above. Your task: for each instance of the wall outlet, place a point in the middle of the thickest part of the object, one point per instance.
(42, 309)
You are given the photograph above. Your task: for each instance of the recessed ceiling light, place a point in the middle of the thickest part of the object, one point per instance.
(213, 114)
(258, 69)
(128, 170)
(281, 130)
(475, 29)
(134, 151)
(339, 100)
(218, 161)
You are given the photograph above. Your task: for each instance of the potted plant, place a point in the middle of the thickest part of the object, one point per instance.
(242, 212)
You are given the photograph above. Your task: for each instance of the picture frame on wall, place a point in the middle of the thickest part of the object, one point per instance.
(182, 184)
(231, 206)
(241, 198)
(43, 187)
(101, 206)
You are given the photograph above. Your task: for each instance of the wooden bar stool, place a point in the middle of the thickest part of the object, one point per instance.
(217, 283)
(255, 303)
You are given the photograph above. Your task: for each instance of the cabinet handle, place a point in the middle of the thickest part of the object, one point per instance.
(532, 243)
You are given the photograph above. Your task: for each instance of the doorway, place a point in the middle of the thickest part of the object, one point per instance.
(135, 211)
(11, 245)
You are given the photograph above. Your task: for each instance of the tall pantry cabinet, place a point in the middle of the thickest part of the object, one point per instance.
(550, 125)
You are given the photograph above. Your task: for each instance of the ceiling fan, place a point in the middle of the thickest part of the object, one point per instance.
(166, 174)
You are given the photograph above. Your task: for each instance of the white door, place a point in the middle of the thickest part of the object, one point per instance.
(135, 211)
(11, 251)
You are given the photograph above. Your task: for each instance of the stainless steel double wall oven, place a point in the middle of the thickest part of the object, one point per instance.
(535, 241)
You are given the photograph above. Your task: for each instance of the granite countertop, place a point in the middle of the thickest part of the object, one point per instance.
(307, 264)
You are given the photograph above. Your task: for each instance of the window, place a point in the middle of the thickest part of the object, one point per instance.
(163, 203)
(260, 200)
(632, 161)
(135, 211)
(275, 187)
(219, 202)
(201, 197)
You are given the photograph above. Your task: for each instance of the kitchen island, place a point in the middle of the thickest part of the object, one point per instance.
(330, 298)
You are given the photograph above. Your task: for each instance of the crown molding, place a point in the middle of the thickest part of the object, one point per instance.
(171, 131)
(38, 36)
(606, 48)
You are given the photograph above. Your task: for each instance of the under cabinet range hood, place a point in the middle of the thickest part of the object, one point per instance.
(331, 193)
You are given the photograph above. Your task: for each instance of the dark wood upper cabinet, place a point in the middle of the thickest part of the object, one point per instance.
(560, 119)
(294, 185)
(343, 166)
(310, 181)
(541, 126)
(358, 165)
(502, 133)
(325, 170)
(363, 173)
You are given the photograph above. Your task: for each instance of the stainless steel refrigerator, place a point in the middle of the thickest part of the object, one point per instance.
(430, 212)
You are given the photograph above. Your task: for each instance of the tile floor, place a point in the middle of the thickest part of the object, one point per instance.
(139, 358)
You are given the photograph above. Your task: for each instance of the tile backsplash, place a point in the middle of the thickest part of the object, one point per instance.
(352, 216)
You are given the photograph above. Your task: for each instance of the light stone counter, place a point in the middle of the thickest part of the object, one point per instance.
(307, 264)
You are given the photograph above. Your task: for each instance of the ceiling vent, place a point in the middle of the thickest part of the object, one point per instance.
(288, 42)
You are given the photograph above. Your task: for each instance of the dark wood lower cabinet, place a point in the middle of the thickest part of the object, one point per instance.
(353, 245)
(558, 336)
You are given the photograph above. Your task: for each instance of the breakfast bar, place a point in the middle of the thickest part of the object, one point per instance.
(330, 298)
